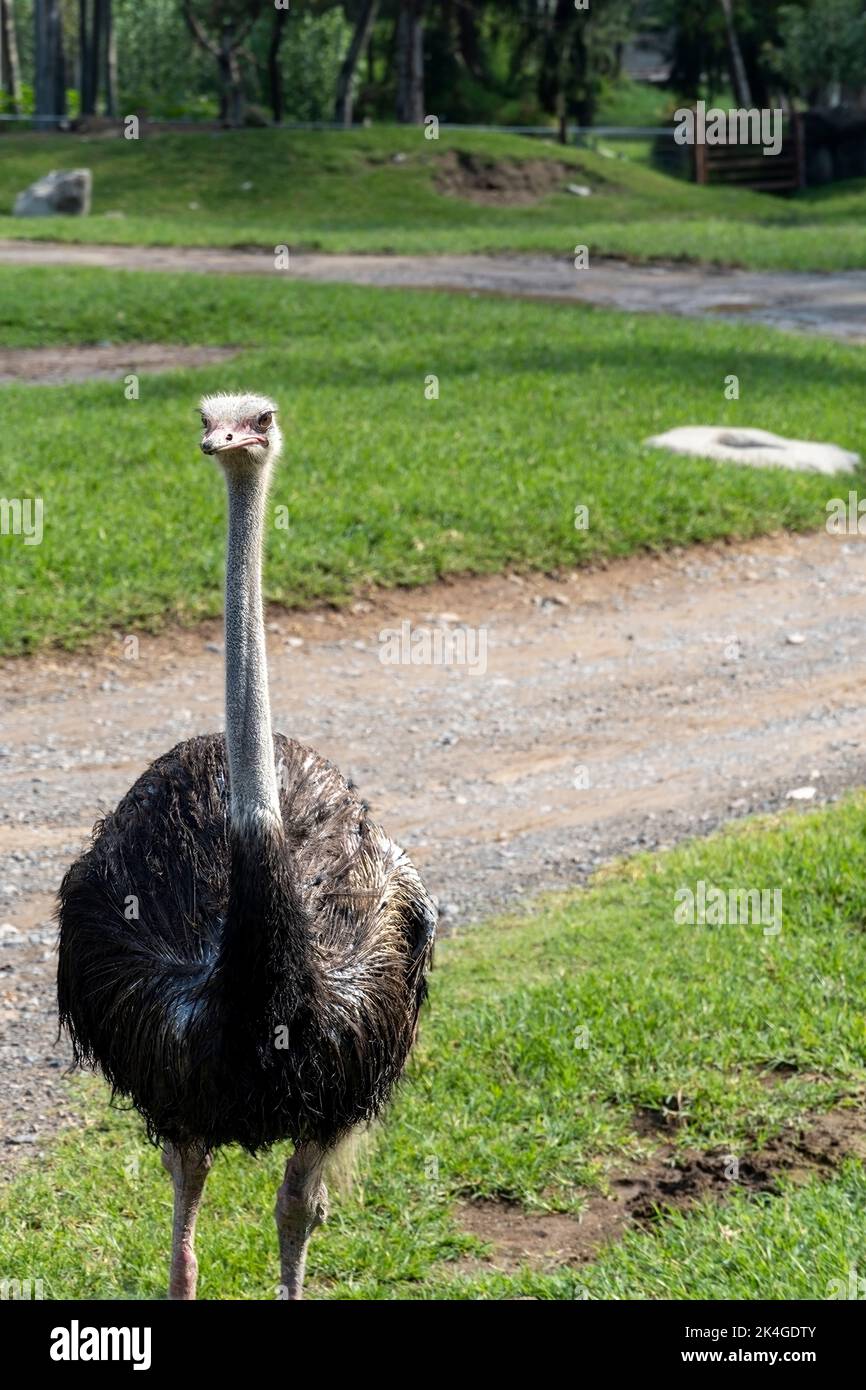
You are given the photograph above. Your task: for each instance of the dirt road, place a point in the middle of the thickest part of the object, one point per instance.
(617, 709)
(831, 303)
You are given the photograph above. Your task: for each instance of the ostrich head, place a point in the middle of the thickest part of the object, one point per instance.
(242, 430)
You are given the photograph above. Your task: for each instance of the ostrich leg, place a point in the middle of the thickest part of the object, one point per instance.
(188, 1168)
(302, 1205)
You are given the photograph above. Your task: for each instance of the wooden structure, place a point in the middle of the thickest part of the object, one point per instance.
(747, 166)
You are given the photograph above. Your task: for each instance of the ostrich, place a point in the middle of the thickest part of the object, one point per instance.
(243, 952)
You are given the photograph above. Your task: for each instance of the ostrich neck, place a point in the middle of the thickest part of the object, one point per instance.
(249, 740)
(264, 969)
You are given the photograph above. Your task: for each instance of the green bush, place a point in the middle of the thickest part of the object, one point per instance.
(311, 55)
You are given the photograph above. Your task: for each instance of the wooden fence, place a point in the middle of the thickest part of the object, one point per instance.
(749, 167)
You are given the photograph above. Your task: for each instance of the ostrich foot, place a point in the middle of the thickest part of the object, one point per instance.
(189, 1169)
(302, 1205)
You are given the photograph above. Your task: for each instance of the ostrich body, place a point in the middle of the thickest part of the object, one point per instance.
(243, 952)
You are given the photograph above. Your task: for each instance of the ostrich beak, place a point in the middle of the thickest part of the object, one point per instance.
(221, 440)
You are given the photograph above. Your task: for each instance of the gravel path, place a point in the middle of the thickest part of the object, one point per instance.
(620, 709)
(831, 303)
(105, 362)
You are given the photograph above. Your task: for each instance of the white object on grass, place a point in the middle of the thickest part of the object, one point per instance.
(757, 448)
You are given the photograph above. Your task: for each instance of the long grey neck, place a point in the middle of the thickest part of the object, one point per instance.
(252, 775)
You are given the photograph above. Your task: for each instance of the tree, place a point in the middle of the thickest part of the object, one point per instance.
(87, 66)
(738, 69)
(311, 58)
(108, 63)
(10, 69)
(469, 46)
(97, 57)
(719, 44)
(410, 62)
(823, 49)
(578, 49)
(49, 82)
(232, 20)
(360, 39)
(275, 72)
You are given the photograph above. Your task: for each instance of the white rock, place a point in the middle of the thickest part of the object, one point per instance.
(579, 190)
(757, 448)
(795, 639)
(61, 191)
(802, 794)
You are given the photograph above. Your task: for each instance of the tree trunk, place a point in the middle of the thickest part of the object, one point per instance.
(229, 77)
(108, 64)
(49, 67)
(10, 68)
(582, 78)
(81, 65)
(410, 62)
(59, 61)
(99, 51)
(360, 39)
(738, 67)
(88, 55)
(561, 121)
(555, 57)
(275, 73)
(226, 52)
(468, 43)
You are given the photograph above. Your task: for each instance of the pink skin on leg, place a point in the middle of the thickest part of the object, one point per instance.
(189, 1169)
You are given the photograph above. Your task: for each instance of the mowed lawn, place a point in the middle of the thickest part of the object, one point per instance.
(541, 409)
(544, 1040)
(340, 191)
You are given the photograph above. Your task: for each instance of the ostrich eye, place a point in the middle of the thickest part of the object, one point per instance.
(204, 423)
(264, 420)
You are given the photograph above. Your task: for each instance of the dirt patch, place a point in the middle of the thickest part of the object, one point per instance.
(678, 1179)
(671, 1180)
(35, 1100)
(103, 361)
(503, 181)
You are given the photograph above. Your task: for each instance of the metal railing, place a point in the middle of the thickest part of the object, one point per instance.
(575, 132)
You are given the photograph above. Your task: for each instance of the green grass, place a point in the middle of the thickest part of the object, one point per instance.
(501, 1102)
(624, 102)
(342, 192)
(541, 408)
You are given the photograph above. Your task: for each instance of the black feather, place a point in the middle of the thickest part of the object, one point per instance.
(244, 988)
